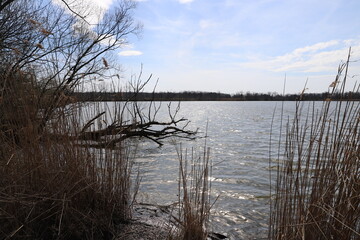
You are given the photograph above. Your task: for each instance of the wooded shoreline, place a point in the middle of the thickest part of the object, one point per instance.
(209, 96)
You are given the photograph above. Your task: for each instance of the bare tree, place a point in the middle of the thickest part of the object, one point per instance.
(59, 50)
(50, 187)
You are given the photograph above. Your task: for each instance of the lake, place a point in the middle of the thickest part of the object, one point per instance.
(239, 138)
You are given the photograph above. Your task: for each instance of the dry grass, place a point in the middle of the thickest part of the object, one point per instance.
(318, 183)
(49, 187)
(194, 195)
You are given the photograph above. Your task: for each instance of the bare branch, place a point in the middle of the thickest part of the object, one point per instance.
(5, 4)
(74, 12)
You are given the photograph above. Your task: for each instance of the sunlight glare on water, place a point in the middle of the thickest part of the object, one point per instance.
(238, 135)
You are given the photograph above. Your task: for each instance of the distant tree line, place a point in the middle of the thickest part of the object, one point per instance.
(209, 96)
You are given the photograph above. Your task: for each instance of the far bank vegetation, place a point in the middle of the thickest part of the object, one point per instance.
(210, 96)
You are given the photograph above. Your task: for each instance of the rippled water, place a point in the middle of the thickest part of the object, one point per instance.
(239, 137)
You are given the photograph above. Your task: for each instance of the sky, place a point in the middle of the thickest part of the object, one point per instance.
(236, 46)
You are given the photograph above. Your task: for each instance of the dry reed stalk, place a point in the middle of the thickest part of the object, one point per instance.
(50, 187)
(194, 195)
(318, 182)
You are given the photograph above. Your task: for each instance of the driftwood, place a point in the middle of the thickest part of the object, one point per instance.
(142, 126)
(113, 134)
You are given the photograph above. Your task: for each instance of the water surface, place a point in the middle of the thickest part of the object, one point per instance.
(239, 136)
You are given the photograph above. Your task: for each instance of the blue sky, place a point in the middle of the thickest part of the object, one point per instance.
(243, 45)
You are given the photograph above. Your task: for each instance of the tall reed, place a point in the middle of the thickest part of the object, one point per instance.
(50, 186)
(194, 195)
(318, 182)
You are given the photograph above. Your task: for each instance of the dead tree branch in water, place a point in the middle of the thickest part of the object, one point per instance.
(144, 123)
(122, 132)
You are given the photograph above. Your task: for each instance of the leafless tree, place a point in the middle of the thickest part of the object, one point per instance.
(58, 48)
(54, 182)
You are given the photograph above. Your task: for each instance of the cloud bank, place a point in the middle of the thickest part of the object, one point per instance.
(317, 58)
(128, 53)
(185, 1)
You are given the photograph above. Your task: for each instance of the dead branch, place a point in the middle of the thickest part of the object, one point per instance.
(114, 134)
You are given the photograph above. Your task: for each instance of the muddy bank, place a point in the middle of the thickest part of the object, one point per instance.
(154, 222)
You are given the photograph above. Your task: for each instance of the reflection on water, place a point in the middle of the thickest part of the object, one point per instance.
(239, 136)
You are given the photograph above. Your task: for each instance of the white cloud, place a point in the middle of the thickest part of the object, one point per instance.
(315, 47)
(185, 1)
(204, 24)
(94, 10)
(105, 4)
(317, 58)
(128, 53)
